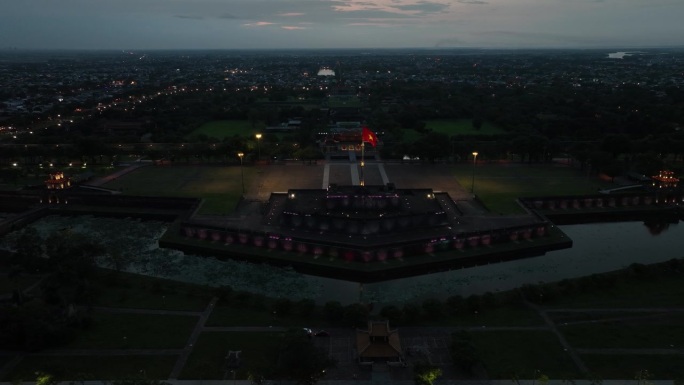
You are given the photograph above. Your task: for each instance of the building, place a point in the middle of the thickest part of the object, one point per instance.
(379, 344)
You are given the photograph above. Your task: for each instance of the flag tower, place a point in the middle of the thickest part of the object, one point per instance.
(370, 137)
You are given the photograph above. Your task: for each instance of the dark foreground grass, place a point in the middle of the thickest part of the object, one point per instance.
(232, 316)
(21, 282)
(135, 331)
(501, 316)
(219, 186)
(658, 366)
(664, 332)
(93, 367)
(208, 356)
(126, 290)
(523, 354)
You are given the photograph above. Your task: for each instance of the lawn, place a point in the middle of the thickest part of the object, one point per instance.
(208, 356)
(462, 127)
(501, 316)
(498, 186)
(664, 332)
(525, 354)
(125, 290)
(660, 367)
(135, 331)
(224, 315)
(220, 186)
(93, 367)
(221, 129)
(22, 282)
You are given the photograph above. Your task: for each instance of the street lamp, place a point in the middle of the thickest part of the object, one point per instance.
(472, 185)
(242, 173)
(258, 138)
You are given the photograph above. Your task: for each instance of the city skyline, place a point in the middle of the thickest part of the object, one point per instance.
(297, 24)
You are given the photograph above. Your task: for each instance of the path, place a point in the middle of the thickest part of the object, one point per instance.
(183, 358)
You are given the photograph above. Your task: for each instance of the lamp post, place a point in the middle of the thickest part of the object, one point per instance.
(472, 184)
(242, 173)
(258, 138)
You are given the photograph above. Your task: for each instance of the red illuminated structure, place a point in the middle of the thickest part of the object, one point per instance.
(665, 179)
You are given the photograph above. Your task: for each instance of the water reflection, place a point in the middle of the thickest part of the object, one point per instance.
(656, 227)
(597, 248)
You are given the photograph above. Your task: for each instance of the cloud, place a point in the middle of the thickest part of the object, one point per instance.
(292, 27)
(424, 7)
(258, 24)
(291, 14)
(478, 2)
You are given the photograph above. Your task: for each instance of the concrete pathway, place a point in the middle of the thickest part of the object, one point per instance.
(183, 358)
(561, 338)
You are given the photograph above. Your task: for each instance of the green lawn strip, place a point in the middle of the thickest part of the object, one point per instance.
(232, 316)
(220, 129)
(220, 186)
(93, 367)
(21, 282)
(462, 127)
(665, 332)
(560, 317)
(500, 316)
(499, 186)
(659, 366)
(625, 293)
(126, 290)
(524, 354)
(135, 331)
(5, 358)
(208, 355)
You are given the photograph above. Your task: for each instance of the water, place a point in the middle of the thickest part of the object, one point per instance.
(598, 247)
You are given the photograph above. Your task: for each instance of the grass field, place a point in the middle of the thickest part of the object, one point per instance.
(135, 331)
(93, 367)
(663, 332)
(524, 354)
(220, 186)
(221, 129)
(660, 367)
(498, 186)
(208, 357)
(232, 316)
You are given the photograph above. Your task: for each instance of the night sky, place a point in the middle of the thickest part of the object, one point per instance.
(284, 24)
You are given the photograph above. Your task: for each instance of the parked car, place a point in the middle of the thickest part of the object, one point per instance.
(322, 333)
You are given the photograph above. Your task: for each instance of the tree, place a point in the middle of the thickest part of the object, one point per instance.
(300, 360)
(28, 248)
(463, 352)
(425, 374)
(73, 252)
